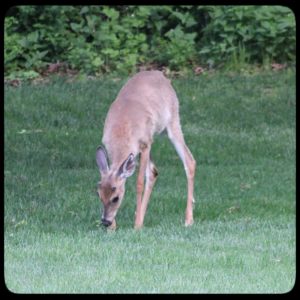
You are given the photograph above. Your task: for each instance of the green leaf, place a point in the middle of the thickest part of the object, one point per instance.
(84, 10)
(76, 27)
(97, 62)
(204, 50)
(41, 54)
(110, 12)
(33, 37)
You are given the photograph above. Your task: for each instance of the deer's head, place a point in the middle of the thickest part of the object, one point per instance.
(111, 188)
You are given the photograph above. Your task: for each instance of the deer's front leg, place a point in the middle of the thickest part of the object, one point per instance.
(140, 188)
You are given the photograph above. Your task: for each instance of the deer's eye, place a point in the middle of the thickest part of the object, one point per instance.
(115, 200)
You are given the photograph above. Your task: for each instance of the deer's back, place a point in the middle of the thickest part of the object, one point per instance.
(144, 106)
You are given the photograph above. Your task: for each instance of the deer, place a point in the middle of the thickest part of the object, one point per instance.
(145, 106)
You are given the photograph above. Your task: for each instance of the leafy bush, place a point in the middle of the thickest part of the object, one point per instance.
(263, 31)
(12, 48)
(101, 39)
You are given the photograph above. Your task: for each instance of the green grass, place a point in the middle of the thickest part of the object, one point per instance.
(241, 131)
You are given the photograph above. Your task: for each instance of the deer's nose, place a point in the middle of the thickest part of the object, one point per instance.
(105, 222)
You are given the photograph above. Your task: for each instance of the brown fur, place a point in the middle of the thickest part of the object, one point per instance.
(146, 105)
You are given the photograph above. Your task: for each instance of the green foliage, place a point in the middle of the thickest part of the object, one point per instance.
(102, 39)
(263, 31)
(178, 43)
(12, 48)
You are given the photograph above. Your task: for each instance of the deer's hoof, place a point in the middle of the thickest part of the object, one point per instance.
(138, 226)
(189, 222)
(113, 226)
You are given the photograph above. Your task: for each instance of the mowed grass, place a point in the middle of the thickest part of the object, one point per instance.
(241, 131)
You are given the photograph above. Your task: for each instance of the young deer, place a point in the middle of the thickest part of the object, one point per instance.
(146, 105)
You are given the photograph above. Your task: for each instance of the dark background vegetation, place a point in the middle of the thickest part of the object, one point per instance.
(97, 40)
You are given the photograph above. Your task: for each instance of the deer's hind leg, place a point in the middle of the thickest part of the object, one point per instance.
(176, 136)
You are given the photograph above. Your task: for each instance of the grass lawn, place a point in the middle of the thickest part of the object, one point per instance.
(241, 131)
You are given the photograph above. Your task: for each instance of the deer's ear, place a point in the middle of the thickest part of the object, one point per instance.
(101, 158)
(127, 168)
